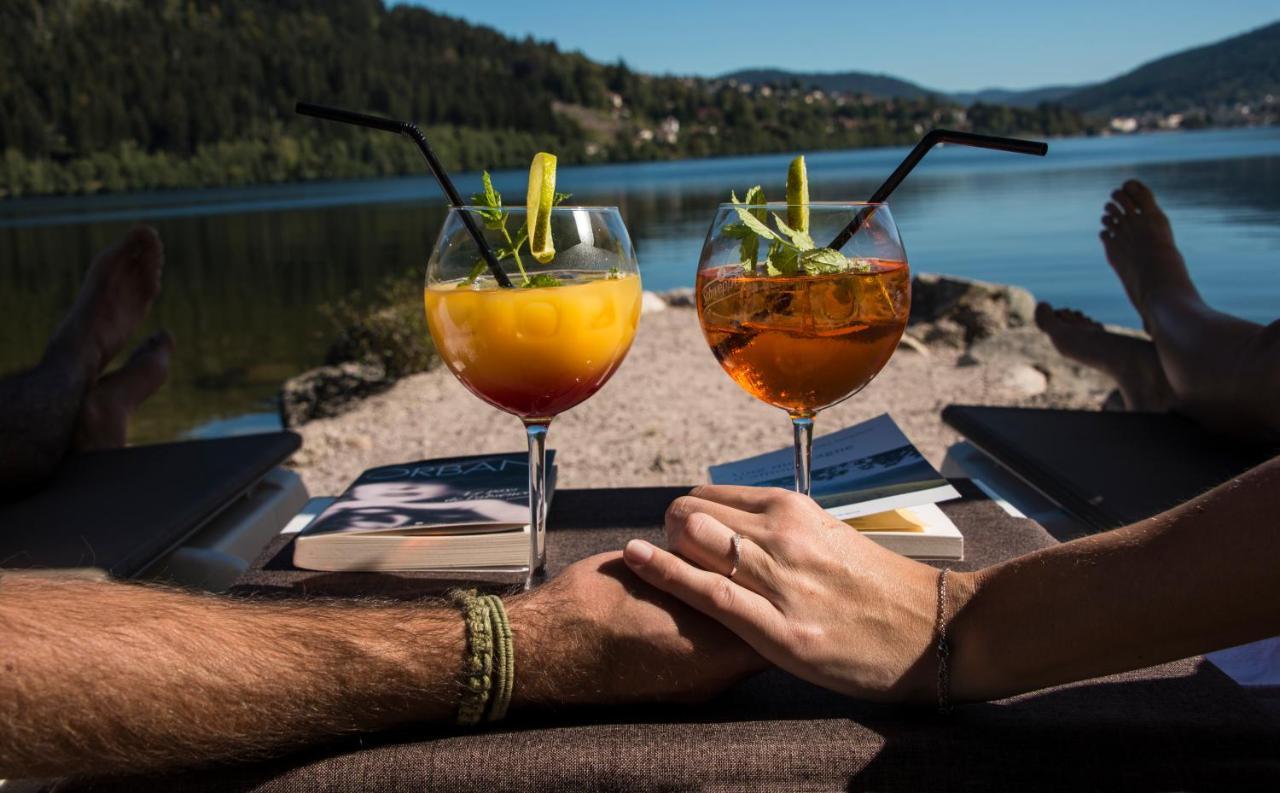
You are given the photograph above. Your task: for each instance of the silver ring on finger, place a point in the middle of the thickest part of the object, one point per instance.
(737, 554)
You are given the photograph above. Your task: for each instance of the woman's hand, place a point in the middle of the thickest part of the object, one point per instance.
(811, 594)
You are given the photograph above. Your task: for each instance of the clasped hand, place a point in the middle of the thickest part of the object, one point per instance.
(810, 595)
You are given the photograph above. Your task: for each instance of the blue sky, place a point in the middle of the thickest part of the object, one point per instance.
(948, 46)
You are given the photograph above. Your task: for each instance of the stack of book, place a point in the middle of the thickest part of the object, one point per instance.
(455, 514)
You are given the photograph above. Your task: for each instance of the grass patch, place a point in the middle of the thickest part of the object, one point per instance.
(389, 330)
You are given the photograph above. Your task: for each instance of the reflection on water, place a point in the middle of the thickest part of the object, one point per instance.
(248, 268)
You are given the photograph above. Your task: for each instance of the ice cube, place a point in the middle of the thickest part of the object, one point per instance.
(835, 304)
(537, 319)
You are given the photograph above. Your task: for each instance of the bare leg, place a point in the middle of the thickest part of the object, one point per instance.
(1225, 371)
(44, 406)
(1130, 361)
(104, 416)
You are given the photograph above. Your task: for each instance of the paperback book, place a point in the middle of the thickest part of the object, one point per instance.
(872, 477)
(449, 514)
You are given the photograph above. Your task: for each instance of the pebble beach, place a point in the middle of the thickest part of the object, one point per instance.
(670, 411)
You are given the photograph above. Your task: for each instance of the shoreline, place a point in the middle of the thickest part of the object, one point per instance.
(670, 411)
(48, 209)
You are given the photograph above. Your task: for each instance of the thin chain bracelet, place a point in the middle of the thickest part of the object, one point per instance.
(944, 647)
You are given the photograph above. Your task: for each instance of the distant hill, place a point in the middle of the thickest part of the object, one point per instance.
(877, 85)
(1240, 69)
(1029, 97)
(884, 86)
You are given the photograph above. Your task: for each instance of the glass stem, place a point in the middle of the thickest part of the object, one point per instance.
(537, 432)
(803, 427)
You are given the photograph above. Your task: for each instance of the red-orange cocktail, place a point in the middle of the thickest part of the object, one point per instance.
(804, 342)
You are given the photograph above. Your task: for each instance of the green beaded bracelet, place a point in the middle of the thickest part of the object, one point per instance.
(489, 665)
(477, 664)
(504, 659)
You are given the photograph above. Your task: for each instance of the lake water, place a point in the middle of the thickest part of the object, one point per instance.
(247, 270)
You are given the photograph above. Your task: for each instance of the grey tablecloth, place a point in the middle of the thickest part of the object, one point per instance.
(1173, 727)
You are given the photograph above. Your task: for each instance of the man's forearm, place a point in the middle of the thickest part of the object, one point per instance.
(102, 677)
(1197, 578)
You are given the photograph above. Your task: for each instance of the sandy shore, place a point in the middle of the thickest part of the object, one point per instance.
(670, 411)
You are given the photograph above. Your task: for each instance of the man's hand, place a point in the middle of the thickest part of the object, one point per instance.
(106, 677)
(596, 634)
(811, 594)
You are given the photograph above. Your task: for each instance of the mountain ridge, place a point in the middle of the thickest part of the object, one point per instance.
(1228, 72)
(884, 86)
(887, 86)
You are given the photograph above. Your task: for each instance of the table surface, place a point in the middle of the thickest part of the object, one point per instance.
(1182, 725)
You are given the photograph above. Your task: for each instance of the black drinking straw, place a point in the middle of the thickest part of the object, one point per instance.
(931, 138)
(433, 164)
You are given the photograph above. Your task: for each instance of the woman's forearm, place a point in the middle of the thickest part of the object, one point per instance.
(1194, 579)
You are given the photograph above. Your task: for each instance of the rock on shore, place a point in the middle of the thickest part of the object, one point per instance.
(670, 411)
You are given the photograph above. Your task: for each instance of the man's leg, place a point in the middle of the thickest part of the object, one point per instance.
(45, 410)
(104, 415)
(1223, 370)
(1132, 362)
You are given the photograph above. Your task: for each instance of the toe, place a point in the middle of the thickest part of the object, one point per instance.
(104, 416)
(142, 237)
(147, 250)
(1140, 194)
(1124, 200)
(144, 372)
(141, 243)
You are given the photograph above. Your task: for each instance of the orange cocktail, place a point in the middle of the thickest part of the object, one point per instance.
(535, 352)
(804, 342)
(799, 324)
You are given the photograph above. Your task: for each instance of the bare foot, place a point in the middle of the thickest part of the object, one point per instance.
(104, 415)
(1139, 244)
(1132, 362)
(118, 291)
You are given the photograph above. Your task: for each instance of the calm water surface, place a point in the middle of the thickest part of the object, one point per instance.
(248, 269)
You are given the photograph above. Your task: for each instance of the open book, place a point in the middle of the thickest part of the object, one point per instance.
(457, 513)
(873, 478)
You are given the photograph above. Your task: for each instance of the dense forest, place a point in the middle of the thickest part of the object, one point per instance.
(108, 95)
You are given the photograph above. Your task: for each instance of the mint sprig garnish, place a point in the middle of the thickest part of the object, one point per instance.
(791, 251)
(749, 248)
(495, 219)
(540, 279)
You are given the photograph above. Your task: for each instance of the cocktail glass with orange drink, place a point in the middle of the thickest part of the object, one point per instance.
(797, 326)
(550, 341)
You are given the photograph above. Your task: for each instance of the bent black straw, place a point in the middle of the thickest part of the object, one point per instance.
(932, 138)
(433, 164)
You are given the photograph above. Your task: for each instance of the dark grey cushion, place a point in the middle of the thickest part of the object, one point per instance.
(1173, 727)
